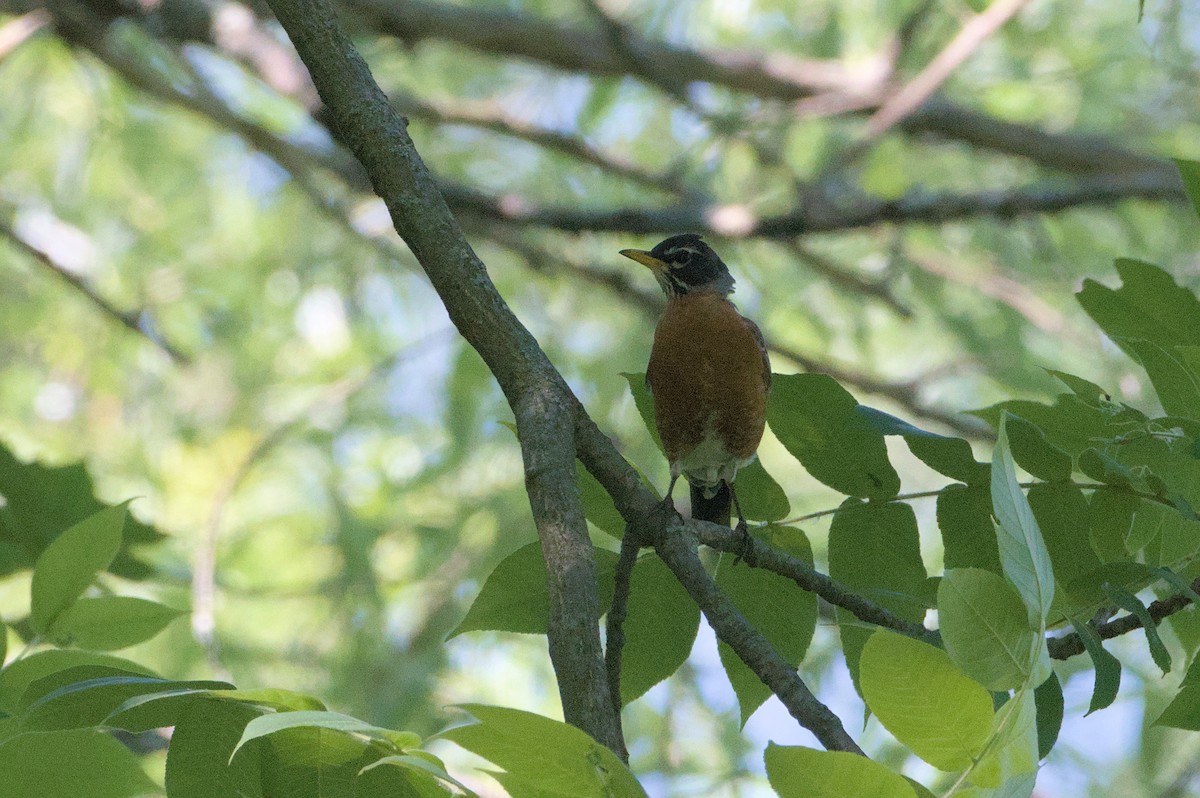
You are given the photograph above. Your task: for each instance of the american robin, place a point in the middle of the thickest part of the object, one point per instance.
(709, 375)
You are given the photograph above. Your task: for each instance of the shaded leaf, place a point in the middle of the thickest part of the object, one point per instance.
(108, 623)
(70, 564)
(660, 627)
(964, 516)
(198, 761)
(1106, 666)
(276, 722)
(944, 454)
(70, 764)
(1049, 700)
(819, 423)
(18, 676)
(1132, 604)
(875, 550)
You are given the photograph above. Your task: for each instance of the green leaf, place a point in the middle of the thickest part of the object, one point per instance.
(1110, 516)
(660, 627)
(1149, 316)
(70, 564)
(108, 623)
(553, 756)
(515, 597)
(70, 764)
(274, 698)
(1131, 603)
(964, 516)
(774, 605)
(198, 761)
(1023, 553)
(1085, 389)
(1188, 170)
(946, 455)
(985, 628)
(1184, 710)
(1106, 666)
(91, 699)
(1049, 700)
(818, 422)
(1059, 509)
(597, 504)
(275, 722)
(42, 501)
(932, 707)
(643, 400)
(761, 497)
(18, 676)
(797, 772)
(416, 765)
(875, 550)
(1034, 453)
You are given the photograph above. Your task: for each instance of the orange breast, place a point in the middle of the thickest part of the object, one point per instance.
(708, 376)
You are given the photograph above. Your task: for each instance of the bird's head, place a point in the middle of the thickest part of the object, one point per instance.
(684, 264)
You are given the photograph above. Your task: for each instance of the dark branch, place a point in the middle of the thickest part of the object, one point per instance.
(1069, 645)
(769, 558)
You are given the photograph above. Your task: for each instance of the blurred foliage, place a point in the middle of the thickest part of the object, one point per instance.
(342, 456)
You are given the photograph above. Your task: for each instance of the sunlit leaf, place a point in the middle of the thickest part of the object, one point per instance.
(985, 628)
(924, 700)
(1023, 553)
(796, 772)
(554, 756)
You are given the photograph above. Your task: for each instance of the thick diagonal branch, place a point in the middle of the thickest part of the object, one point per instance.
(541, 401)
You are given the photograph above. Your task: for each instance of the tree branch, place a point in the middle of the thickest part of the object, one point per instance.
(134, 321)
(541, 402)
(1071, 644)
(772, 559)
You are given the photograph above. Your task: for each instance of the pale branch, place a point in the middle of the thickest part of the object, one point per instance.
(542, 403)
(17, 31)
(1071, 644)
(902, 103)
(762, 555)
(135, 321)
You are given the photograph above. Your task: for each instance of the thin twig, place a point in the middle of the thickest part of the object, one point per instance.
(131, 320)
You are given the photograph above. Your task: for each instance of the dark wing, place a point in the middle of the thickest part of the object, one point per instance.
(762, 348)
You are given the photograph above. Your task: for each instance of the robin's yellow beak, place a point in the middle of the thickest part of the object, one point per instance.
(646, 259)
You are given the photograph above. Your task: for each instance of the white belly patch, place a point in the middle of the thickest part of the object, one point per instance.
(708, 464)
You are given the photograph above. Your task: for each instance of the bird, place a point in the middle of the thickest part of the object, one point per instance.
(709, 374)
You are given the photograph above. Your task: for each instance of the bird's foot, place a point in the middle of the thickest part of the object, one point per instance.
(745, 544)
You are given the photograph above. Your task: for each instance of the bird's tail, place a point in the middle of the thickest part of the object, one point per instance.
(714, 509)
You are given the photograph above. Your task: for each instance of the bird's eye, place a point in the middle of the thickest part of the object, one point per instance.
(683, 257)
